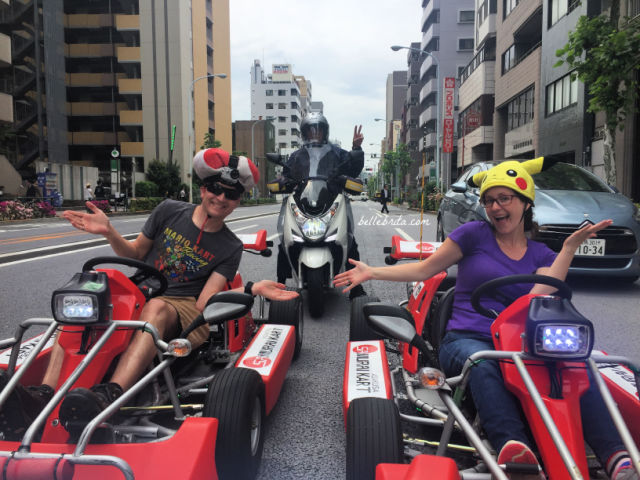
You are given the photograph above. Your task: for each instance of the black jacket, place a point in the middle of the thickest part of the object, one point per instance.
(332, 161)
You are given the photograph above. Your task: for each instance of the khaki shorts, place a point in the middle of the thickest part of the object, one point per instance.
(187, 312)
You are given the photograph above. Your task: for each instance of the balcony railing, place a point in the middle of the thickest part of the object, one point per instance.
(482, 56)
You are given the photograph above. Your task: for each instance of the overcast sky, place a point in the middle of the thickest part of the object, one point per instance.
(341, 46)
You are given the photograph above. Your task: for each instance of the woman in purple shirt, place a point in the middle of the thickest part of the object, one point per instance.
(484, 251)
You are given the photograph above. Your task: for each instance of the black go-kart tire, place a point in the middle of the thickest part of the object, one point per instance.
(289, 312)
(315, 290)
(373, 436)
(236, 398)
(359, 329)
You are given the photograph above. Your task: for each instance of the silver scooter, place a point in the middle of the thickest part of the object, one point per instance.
(315, 226)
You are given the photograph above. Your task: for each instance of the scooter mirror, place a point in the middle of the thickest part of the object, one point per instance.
(275, 158)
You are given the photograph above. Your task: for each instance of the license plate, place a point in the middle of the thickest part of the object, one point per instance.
(591, 247)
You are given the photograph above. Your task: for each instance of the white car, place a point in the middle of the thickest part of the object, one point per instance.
(364, 196)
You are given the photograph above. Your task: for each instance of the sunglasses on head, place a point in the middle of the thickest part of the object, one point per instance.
(217, 189)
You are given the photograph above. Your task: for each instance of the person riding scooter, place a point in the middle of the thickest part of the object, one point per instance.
(333, 161)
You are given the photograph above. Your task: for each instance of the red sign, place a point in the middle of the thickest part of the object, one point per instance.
(449, 105)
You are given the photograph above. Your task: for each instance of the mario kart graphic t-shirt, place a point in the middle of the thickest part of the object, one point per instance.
(186, 262)
(483, 261)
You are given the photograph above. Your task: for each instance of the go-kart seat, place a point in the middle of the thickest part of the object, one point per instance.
(441, 316)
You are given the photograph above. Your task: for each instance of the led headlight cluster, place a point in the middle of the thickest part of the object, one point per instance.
(85, 299)
(556, 330)
(313, 228)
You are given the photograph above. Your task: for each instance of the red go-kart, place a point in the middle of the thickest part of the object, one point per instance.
(406, 420)
(195, 414)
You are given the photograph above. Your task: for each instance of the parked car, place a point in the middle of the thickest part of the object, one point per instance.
(364, 196)
(566, 196)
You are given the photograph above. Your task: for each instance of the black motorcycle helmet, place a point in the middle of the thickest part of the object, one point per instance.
(315, 128)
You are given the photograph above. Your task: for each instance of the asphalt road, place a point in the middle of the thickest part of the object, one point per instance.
(305, 433)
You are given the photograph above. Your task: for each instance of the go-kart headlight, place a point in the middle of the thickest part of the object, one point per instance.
(314, 228)
(555, 330)
(85, 299)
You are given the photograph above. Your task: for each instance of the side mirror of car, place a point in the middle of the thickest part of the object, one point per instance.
(275, 158)
(459, 187)
(224, 306)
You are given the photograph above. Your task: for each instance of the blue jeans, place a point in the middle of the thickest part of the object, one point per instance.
(499, 409)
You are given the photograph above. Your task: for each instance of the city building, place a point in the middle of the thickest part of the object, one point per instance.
(283, 96)
(411, 132)
(515, 103)
(453, 23)
(255, 138)
(109, 86)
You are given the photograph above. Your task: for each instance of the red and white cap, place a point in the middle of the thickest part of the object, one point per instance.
(230, 170)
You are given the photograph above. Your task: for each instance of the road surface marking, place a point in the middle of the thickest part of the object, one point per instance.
(273, 237)
(16, 262)
(405, 235)
(243, 228)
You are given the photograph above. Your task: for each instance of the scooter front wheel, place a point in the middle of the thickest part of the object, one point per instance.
(315, 288)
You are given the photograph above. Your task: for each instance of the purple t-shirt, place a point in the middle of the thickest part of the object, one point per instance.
(483, 261)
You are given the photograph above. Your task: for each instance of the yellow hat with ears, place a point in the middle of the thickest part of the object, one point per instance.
(511, 174)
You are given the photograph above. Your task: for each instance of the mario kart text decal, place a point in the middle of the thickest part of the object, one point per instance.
(366, 371)
(265, 348)
(25, 350)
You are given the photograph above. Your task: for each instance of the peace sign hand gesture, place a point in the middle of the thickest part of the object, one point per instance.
(358, 137)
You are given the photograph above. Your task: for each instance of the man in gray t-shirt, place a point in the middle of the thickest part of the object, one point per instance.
(189, 244)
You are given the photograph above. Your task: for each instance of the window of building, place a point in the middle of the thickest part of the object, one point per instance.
(295, 144)
(508, 6)
(465, 16)
(282, 119)
(509, 59)
(294, 91)
(269, 93)
(520, 110)
(460, 71)
(465, 44)
(562, 94)
(633, 8)
(433, 45)
(294, 118)
(282, 93)
(282, 145)
(282, 106)
(282, 131)
(294, 105)
(559, 8)
(269, 106)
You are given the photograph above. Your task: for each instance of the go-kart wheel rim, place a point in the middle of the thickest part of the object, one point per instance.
(256, 426)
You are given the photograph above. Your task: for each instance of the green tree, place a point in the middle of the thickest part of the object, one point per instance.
(165, 176)
(210, 141)
(605, 55)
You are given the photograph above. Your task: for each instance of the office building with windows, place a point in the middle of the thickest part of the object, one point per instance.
(282, 96)
(104, 84)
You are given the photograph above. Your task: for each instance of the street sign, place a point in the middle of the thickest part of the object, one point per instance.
(448, 121)
(115, 153)
(473, 120)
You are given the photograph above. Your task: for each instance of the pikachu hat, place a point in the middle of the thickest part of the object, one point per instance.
(511, 174)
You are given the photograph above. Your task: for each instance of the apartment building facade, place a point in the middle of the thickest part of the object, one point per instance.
(516, 104)
(282, 96)
(106, 84)
(453, 23)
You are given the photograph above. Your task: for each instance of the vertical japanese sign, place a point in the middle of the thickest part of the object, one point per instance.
(447, 122)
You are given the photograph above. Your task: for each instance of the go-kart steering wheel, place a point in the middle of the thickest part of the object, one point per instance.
(144, 271)
(489, 289)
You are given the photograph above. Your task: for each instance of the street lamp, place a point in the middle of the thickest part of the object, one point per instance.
(192, 127)
(395, 48)
(268, 119)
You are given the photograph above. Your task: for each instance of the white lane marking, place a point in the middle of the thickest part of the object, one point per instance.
(405, 235)
(51, 255)
(273, 237)
(243, 228)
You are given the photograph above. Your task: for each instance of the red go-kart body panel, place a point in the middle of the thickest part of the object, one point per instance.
(189, 454)
(565, 411)
(419, 306)
(421, 467)
(366, 373)
(402, 249)
(270, 354)
(254, 241)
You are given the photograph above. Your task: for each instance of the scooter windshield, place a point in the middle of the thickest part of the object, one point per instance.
(315, 198)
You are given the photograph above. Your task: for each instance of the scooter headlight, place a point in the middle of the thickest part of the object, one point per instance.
(314, 228)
